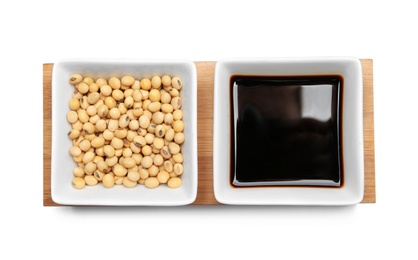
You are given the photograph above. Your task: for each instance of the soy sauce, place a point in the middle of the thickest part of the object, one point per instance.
(286, 130)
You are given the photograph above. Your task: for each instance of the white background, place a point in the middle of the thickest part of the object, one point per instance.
(37, 32)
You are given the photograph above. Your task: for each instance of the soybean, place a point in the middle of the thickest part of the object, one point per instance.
(154, 106)
(178, 158)
(112, 125)
(88, 80)
(129, 102)
(83, 88)
(169, 135)
(73, 134)
(158, 142)
(166, 80)
(78, 183)
(128, 80)
(168, 118)
(93, 87)
(102, 110)
(163, 177)
(106, 90)
(108, 180)
(82, 116)
(158, 160)
(93, 97)
(88, 128)
(117, 94)
(77, 125)
(133, 176)
(114, 113)
(160, 131)
(111, 161)
(179, 138)
(116, 143)
(156, 82)
(91, 110)
(146, 162)
(110, 102)
(90, 180)
(143, 173)
(165, 152)
(101, 81)
(114, 83)
(154, 95)
(72, 117)
(167, 108)
(133, 124)
(165, 98)
(146, 150)
(168, 166)
(75, 151)
(74, 104)
(118, 180)
(98, 142)
(177, 115)
(119, 170)
(153, 171)
(137, 158)
(128, 162)
(78, 172)
(174, 182)
(178, 126)
(152, 183)
(88, 157)
(178, 169)
(145, 84)
(90, 167)
(139, 141)
(101, 125)
(99, 175)
(137, 95)
(174, 148)
(102, 166)
(128, 183)
(176, 102)
(158, 117)
(108, 135)
(75, 79)
(176, 83)
(85, 145)
(121, 133)
(144, 121)
(94, 119)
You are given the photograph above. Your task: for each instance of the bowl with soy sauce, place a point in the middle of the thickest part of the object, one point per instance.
(288, 131)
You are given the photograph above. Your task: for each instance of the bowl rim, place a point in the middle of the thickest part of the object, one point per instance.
(350, 193)
(188, 68)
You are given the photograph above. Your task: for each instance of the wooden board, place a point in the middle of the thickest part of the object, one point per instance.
(205, 72)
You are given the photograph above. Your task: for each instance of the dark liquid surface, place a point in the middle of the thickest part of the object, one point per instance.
(286, 129)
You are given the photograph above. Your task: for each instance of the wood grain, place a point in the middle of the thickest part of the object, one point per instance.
(205, 72)
(368, 128)
(47, 98)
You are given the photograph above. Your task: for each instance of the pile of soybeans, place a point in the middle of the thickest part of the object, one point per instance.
(126, 131)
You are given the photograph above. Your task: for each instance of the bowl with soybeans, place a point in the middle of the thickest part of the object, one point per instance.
(124, 132)
(288, 131)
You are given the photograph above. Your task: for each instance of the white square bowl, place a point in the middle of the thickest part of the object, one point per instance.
(62, 191)
(351, 192)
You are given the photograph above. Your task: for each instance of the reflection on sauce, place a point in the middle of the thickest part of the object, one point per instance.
(286, 130)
